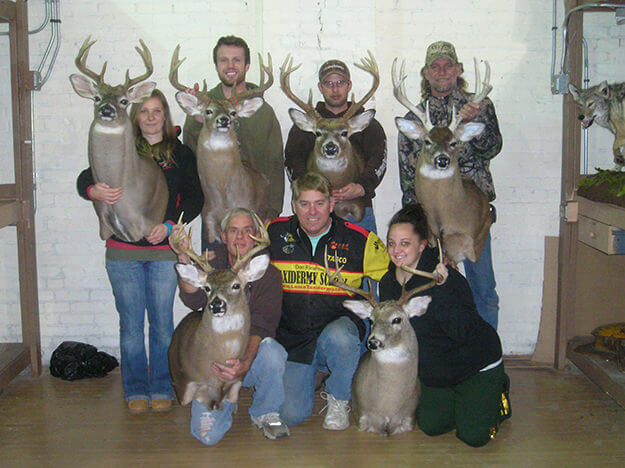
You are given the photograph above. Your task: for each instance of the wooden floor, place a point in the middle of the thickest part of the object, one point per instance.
(559, 419)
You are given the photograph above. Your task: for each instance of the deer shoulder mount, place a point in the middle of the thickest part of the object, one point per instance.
(113, 156)
(604, 104)
(220, 332)
(458, 212)
(385, 388)
(333, 155)
(226, 182)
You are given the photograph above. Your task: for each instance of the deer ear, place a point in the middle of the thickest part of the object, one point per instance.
(360, 121)
(411, 128)
(255, 268)
(467, 131)
(361, 308)
(192, 275)
(188, 102)
(302, 120)
(141, 91)
(83, 86)
(417, 306)
(248, 107)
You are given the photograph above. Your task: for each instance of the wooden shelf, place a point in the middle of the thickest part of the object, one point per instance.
(601, 371)
(9, 212)
(14, 358)
(603, 212)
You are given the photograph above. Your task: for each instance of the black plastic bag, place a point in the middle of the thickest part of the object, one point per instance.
(72, 360)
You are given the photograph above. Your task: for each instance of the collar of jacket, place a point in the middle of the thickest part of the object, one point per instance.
(326, 114)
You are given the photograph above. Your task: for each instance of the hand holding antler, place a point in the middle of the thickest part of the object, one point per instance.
(180, 243)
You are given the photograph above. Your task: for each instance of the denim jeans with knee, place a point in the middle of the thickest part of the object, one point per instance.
(139, 286)
(338, 351)
(481, 278)
(265, 375)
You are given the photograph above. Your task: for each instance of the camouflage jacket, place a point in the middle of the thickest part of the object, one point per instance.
(475, 155)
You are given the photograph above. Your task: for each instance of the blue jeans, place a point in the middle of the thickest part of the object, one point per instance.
(338, 351)
(368, 222)
(481, 278)
(265, 375)
(138, 286)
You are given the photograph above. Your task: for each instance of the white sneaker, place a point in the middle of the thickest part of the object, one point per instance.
(337, 417)
(273, 427)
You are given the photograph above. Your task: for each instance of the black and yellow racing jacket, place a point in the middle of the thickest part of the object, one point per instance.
(309, 303)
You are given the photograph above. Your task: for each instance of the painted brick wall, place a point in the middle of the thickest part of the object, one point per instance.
(75, 298)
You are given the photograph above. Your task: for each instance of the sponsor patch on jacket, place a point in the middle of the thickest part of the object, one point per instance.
(288, 249)
(287, 237)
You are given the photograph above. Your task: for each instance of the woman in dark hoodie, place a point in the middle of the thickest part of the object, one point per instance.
(463, 384)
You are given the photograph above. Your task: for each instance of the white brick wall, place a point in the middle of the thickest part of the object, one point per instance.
(75, 298)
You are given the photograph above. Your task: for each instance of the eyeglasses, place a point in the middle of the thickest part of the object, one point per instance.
(331, 84)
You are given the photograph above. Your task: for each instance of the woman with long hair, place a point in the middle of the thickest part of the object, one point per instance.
(463, 384)
(142, 273)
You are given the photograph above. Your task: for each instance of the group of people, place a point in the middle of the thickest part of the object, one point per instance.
(298, 324)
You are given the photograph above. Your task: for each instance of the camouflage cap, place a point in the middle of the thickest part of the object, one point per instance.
(333, 66)
(440, 49)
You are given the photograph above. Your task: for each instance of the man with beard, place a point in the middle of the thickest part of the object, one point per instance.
(259, 135)
(442, 88)
(335, 85)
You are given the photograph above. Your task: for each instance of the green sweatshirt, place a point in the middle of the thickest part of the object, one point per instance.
(260, 140)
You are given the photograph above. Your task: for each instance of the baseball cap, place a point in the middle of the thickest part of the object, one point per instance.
(440, 49)
(333, 66)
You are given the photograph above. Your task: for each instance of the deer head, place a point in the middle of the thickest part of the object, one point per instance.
(440, 144)
(225, 288)
(218, 116)
(332, 135)
(390, 318)
(111, 102)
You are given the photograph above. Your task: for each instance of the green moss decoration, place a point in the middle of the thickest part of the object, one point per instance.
(614, 181)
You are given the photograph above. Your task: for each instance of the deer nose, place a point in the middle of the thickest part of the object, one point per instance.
(218, 306)
(331, 149)
(374, 344)
(441, 162)
(107, 111)
(223, 121)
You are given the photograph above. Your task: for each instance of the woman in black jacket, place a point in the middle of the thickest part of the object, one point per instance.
(142, 273)
(460, 358)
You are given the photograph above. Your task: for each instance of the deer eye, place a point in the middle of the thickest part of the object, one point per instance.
(208, 112)
(396, 320)
(318, 134)
(427, 143)
(123, 102)
(97, 98)
(236, 286)
(233, 113)
(344, 133)
(453, 144)
(207, 289)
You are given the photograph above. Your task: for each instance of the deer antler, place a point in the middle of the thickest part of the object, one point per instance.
(369, 65)
(146, 56)
(285, 71)
(399, 91)
(173, 70)
(337, 280)
(406, 295)
(199, 260)
(262, 87)
(263, 242)
(426, 274)
(81, 60)
(486, 87)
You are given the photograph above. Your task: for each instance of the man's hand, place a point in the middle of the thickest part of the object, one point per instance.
(349, 192)
(469, 111)
(102, 192)
(232, 369)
